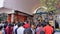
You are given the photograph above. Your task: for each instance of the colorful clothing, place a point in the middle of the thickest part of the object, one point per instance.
(48, 30)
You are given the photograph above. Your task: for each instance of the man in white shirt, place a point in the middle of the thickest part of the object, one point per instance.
(15, 27)
(21, 29)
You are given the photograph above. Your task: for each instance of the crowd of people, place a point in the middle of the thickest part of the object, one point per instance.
(26, 28)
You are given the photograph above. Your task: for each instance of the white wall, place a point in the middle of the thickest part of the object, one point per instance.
(1, 3)
(21, 5)
(5, 10)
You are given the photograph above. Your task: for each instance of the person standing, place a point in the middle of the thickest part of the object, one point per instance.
(4, 29)
(56, 24)
(0, 29)
(20, 29)
(48, 29)
(30, 30)
(9, 29)
(27, 25)
(39, 29)
(15, 28)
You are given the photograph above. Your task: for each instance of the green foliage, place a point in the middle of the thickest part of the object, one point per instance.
(3, 16)
(50, 4)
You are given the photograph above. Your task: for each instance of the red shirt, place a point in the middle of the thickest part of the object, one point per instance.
(48, 30)
(9, 30)
(27, 26)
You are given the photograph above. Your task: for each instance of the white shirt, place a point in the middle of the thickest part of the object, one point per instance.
(15, 28)
(20, 30)
(33, 31)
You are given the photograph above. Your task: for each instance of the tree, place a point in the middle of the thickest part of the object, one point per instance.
(50, 4)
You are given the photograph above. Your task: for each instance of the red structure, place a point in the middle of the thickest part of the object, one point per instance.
(17, 16)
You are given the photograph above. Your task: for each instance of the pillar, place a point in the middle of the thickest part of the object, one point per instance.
(12, 17)
(9, 18)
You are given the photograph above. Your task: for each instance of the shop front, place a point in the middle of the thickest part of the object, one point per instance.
(18, 16)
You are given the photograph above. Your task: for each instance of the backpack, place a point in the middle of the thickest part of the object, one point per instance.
(42, 32)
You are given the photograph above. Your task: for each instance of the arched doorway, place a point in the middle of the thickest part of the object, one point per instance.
(41, 14)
